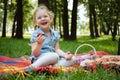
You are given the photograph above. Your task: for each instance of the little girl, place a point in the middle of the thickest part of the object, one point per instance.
(45, 41)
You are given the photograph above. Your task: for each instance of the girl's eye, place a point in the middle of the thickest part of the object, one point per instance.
(39, 17)
(45, 16)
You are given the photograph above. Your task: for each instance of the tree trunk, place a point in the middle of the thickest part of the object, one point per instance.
(74, 20)
(115, 28)
(119, 46)
(60, 26)
(65, 20)
(95, 22)
(4, 19)
(107, 26)
(14, 25)
(19, 32)
(55, 14)
(46, 2)
(91, 21)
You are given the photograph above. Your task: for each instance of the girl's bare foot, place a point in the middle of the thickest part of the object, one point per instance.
(68, 56)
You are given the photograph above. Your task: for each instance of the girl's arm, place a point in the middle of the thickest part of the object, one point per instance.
(36, 46)
(67, 55)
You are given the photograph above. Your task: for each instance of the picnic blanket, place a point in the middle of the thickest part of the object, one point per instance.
(101, 58)
(14, 65)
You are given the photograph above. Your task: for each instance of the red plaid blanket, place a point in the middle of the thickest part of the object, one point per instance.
(12, 65)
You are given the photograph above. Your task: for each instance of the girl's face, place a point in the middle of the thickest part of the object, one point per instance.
(43, 19)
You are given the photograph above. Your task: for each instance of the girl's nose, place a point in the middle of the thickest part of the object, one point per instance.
(42, 18)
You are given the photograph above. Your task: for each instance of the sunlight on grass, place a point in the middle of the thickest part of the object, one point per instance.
(27, 36)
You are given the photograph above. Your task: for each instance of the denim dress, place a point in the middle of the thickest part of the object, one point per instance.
(48, 44)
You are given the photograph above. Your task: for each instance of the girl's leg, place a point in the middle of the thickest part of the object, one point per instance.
(64, 62)
(45, 59)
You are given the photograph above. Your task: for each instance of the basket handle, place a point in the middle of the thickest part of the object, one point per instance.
(85, 45)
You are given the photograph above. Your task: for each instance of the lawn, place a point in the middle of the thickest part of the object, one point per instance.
(17, 48)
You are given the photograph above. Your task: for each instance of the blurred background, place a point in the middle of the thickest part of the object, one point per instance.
(72, 17)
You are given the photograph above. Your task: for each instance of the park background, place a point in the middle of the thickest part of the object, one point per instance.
(73, 19)
(95, 22)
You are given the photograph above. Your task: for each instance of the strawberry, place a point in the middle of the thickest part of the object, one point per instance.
(39, 34)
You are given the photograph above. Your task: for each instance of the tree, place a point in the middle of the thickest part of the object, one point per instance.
(95, 21)
(19, 19)
(91, 22)
(14, 25)
(52, 4)
(4, 19)
(46, 2)
(109, 12)
(65, 20)
(27, 12)
(74, 20)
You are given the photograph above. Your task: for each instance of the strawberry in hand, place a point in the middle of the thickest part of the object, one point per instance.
(39, 34)
(40, 38)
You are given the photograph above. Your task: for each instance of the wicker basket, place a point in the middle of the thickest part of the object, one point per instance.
(94, 50)
(75, 57)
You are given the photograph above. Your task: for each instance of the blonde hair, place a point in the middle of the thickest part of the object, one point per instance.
(43, 7)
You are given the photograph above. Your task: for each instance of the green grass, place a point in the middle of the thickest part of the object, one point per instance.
(14, 47)
(100, 74)
(103, 43)
(17, 48)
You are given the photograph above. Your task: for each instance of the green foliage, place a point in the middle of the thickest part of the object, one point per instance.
(28, 9)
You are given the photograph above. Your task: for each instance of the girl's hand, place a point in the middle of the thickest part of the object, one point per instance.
(40, 38)
(68, 56)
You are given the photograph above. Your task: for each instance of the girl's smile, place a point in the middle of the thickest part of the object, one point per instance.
(44, 23)
(43, 19)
